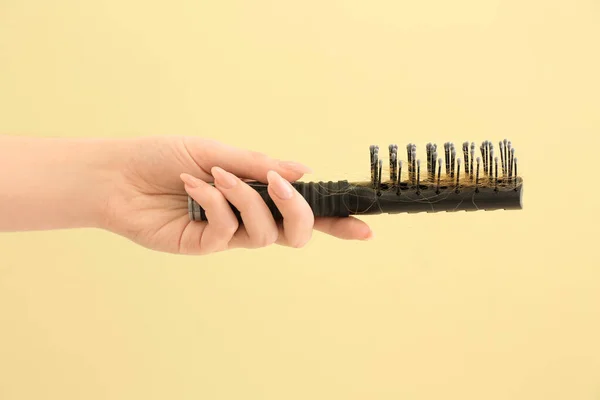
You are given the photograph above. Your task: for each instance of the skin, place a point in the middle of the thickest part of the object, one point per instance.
(138, 188)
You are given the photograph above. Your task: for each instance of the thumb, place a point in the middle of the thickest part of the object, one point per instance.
(245, 164)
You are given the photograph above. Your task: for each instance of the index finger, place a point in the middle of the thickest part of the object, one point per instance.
(245, 164)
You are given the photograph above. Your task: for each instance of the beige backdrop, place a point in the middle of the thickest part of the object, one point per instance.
(500, 305)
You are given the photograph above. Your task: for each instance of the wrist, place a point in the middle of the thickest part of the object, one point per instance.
(57, 183)
(100, 180)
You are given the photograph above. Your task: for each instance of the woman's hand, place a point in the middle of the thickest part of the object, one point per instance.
(138, 188)
(148, 202)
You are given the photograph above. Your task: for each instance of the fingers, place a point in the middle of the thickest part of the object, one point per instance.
(260, 229)
(344, 228)
(222, 222)
(245, 164)
(297, 215)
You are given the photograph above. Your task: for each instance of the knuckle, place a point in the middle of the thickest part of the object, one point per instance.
(213, 197)
(300, 241)
(258, 163)
(229, 228)
(205, 149)
(250, 201)
(298, 244)
(274, 236)
(265, 239)
(258, 156)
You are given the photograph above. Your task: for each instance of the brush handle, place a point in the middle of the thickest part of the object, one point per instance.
(326, 199)
(342, 199)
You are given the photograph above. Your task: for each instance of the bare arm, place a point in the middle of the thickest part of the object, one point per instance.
(54, 183)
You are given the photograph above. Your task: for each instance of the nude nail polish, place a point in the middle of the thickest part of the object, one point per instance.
(282, 188)
(294, 166)
(223, 178)
(190, 180)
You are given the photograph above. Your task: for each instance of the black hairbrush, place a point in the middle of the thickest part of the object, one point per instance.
(478, 182)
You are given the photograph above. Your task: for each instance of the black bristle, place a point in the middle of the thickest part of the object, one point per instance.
(457, 175)
(502, 157)
(414, 161)
(379, 177)
(466, 155)
(472, 159)
(399, 177)
(447, 151)
(516, 177)
(496, 177)
(439, 175)
(452, 160)
(477, 176)
(393, 162)
(418, 176)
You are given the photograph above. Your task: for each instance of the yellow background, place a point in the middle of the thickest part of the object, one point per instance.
(499, 305)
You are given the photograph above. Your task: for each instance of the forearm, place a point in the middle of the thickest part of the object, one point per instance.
(55, 183)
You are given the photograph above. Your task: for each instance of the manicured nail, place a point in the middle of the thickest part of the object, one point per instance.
(223, 178)
(296, 167)
(190, 180)
(370, 235)
(282, 188)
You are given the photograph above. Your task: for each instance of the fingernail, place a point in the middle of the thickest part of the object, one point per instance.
(296, 167)
(370, 235)
(190, 180)
(280, 186)
(223, 178)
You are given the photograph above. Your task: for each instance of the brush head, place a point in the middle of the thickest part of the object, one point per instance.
(486, 183)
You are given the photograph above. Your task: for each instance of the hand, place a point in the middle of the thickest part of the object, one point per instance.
(149, 204)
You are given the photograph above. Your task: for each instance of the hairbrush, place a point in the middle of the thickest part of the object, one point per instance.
(477, 181)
